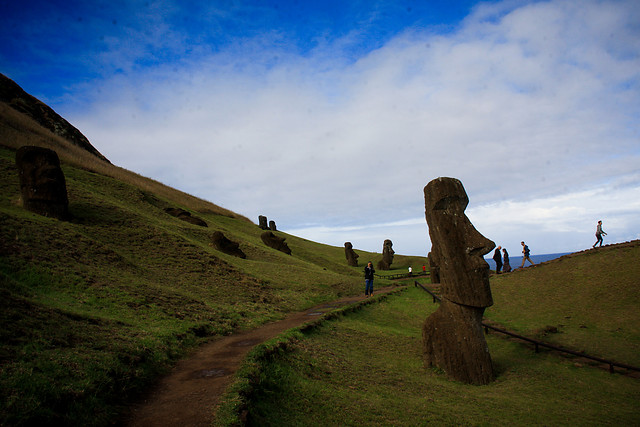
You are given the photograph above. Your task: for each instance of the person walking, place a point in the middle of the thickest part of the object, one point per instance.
(497, 257)
(599, 234)
(525, 255)
(410, 270)
(368, 279)
(506, 267)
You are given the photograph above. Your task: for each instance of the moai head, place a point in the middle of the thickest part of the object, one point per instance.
(275, 242)
(458, 247)
(42, 182)
(387, 251)
(223, 244)
(352, 256)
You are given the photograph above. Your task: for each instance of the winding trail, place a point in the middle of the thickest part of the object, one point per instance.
(187, 396)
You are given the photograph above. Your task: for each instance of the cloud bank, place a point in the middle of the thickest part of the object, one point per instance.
(533, 106)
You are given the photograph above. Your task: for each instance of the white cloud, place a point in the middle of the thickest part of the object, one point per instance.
(533, 108)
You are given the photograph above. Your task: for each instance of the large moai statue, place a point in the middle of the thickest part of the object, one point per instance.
(387, 255)
(262, 222)
(272, 226)
(352, 256)
(453, 338)
(42, 183)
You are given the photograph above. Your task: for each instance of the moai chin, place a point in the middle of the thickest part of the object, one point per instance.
(453, 338)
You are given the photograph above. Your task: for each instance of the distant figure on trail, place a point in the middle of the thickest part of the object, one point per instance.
(424, 269)
(599, 234)
(497, 257)
(410, 270)
(506, 267)
(368, 279)
(525, 255)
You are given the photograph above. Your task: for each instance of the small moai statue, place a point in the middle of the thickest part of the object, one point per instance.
(387, 255)
(262, 222)
(352, 256)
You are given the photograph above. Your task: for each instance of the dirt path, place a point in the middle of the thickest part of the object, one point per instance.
(187, 395)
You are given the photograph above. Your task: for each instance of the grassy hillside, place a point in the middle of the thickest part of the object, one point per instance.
(587, 301)
(94, 308)
(366, 368)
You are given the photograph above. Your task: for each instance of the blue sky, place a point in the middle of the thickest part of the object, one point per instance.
(330, 117)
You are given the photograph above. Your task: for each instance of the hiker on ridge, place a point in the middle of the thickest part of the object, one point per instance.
(525, 255)
(599, 234)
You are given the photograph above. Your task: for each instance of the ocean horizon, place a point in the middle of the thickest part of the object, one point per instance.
(516, 261)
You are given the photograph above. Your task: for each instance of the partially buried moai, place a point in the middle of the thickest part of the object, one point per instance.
(42, 183)
(352, 256)
(453, 338)
(387, 255)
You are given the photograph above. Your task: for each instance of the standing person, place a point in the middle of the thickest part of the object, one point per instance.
(497, 257)
(525, 255)
(599, 234)
(368, 279)
(424, 269)
(506, 267)
(410, 270)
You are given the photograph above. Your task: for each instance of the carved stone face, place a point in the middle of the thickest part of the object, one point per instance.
(458, 246)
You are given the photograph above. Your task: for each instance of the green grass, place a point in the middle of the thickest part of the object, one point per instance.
(592, 299)
(366, 369)
(93, 309)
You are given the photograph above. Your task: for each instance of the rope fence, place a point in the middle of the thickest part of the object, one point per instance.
(537, 344)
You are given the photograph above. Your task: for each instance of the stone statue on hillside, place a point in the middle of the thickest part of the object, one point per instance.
(275, 242)
(221, 243)
(434, 270)
(352, 257)
(453, 338)
(186, 216)
(262, 222)
(272, 226)
(387, 255)
(42, 183)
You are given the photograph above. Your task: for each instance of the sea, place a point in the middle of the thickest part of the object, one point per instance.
(516, 261)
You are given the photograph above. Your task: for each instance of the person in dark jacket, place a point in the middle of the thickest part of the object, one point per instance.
(497, 257)
(368, 279)
(506, 267)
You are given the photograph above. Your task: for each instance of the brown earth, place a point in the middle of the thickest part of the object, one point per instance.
(187, 396)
